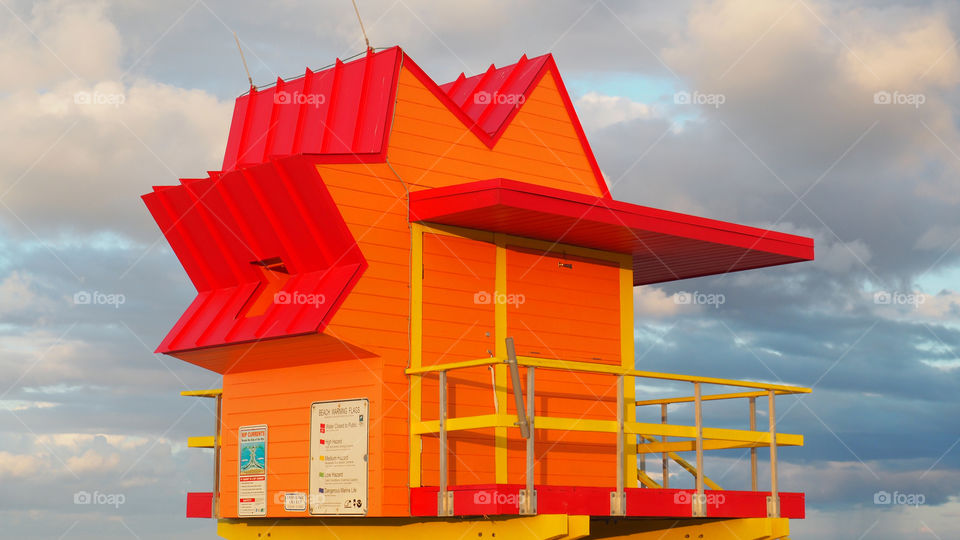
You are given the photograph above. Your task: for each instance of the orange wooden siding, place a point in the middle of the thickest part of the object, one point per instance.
(570, 310)
(281, 399)
(457, 328)
(365, 349)
(430, 147)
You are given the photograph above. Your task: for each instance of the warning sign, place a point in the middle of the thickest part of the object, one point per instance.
(252, 477)
(338, 457)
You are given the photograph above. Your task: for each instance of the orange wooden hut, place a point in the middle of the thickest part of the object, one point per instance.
(420, 298)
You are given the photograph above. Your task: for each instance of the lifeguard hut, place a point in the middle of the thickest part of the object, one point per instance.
(420, 298)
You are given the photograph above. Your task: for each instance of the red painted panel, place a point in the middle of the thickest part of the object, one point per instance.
(199, 505)
(344, 110)
(219, 227)
(502, 499)
(665, 245)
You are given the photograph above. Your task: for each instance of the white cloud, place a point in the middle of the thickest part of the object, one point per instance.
(597, 111)
(19, 465)
(93, 461)
(83, 142)
(16, 293)
(651, 301)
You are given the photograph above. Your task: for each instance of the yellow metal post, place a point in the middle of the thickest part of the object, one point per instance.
(753, 451)
(666, 461)
(628, 361)
(216, 457)
(500, 351)
(699, 505)
(416, 351)
(773, 503)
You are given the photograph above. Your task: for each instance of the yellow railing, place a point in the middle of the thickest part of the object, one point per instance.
(210, 441)
(649, 437)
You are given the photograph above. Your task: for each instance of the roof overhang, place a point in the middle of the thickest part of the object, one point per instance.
(666, 246)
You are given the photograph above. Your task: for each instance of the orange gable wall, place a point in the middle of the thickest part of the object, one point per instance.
(429, 147)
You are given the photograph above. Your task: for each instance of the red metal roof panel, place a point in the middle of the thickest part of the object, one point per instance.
(341, 110)
(227, 230)
(665, 246)
(489, 98)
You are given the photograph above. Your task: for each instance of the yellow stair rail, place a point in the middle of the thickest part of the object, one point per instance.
(683, 463)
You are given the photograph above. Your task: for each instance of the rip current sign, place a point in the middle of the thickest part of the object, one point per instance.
(339, 432)
(252, 476)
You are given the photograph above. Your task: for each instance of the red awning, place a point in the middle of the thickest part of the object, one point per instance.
(666, 246)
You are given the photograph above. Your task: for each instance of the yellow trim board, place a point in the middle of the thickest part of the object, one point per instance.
(212, 393)
(207, 441)
(540, 527)
(416, 349)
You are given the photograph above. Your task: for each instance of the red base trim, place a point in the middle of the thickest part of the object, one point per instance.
(502, 499)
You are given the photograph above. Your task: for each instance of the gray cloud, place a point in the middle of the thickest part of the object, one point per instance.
(798, 81)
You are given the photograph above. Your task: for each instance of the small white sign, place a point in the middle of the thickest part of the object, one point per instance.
(339, 432)
(294, 502)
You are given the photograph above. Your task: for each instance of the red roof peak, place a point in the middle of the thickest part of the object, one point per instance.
(490, 97)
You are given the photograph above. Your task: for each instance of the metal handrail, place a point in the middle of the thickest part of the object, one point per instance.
(587, 367)
(715, 437)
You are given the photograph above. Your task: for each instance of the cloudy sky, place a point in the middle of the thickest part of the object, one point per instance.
(832, 119)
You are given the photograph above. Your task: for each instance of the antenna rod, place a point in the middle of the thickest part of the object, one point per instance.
(362, 29)
(239, 48)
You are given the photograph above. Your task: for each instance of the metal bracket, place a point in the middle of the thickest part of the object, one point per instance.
(698, 505)
(444, 503)
(773, 506)
(522, 422)
(618, 503)
(527, 503)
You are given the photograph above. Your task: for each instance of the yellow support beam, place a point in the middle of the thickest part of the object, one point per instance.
(686, 465)
(500, 350)
(686, 529)
(628, 361)
(208, 441)
(742, 438)
(416, 348)
(212, 393)
(647, 481)
(540, 527)
(449, 366)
